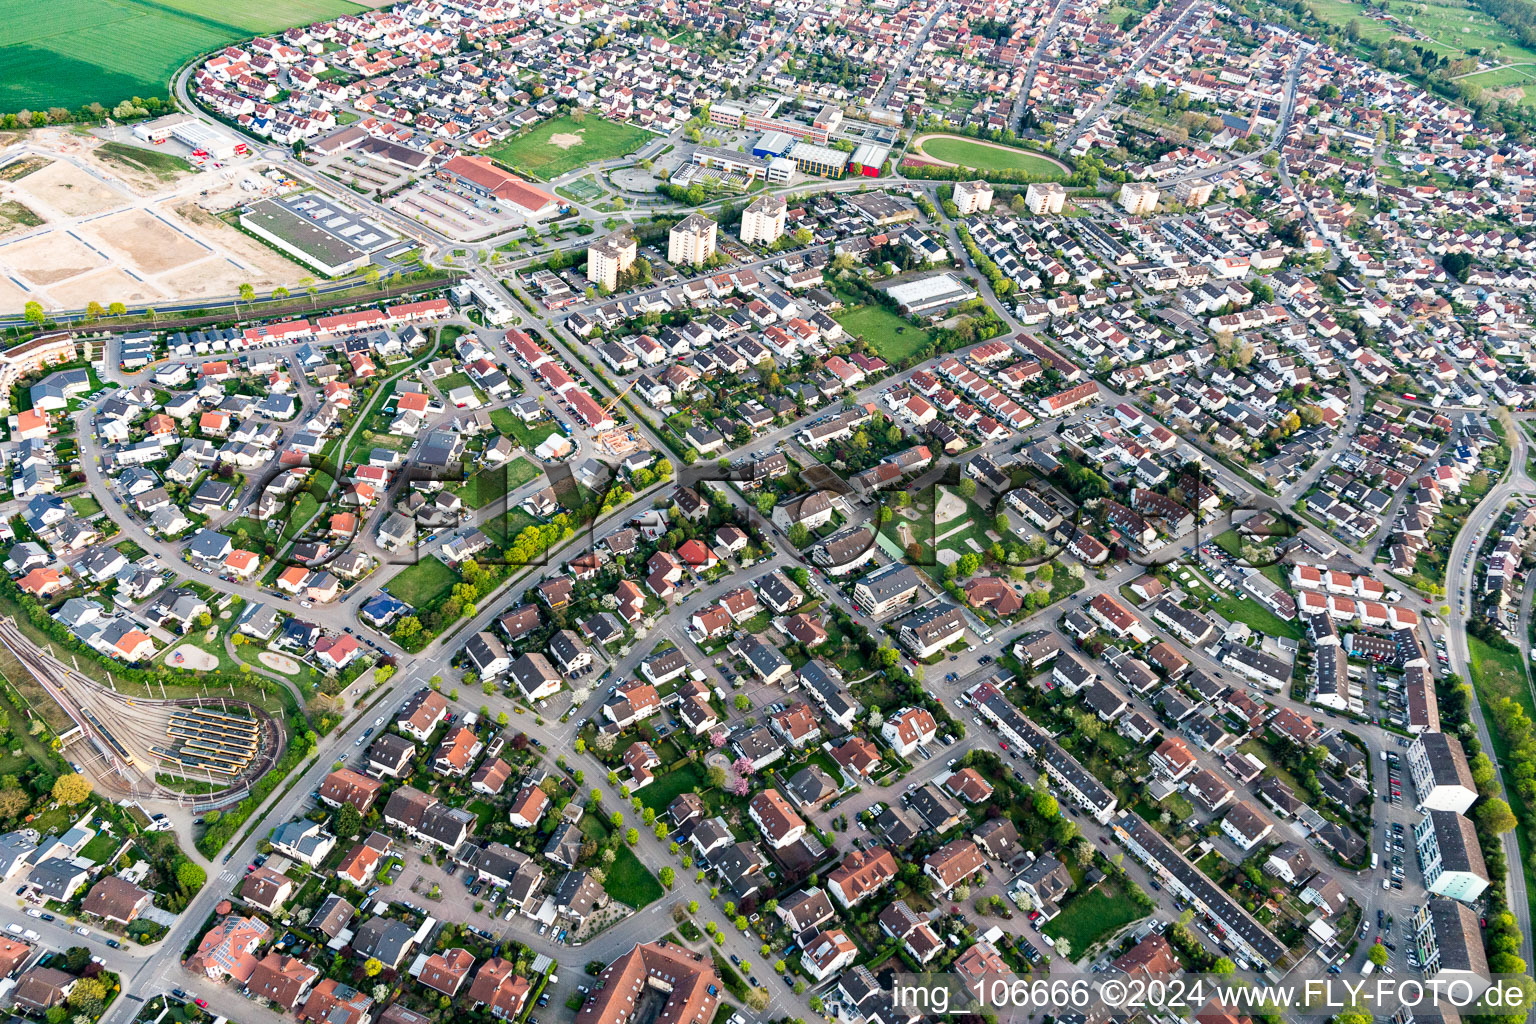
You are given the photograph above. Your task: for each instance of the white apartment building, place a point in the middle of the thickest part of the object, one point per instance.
(692, 240)
(763, 222)
(610, 257)
(1138, 198)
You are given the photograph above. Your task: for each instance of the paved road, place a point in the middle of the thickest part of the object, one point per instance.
(1114, 87)
(1021, 101)
(1461, 580)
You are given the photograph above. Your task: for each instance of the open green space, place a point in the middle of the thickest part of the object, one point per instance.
(990, 157)
(1447, 27)
(165, 166)
(1498, 674)
(629, 882)
(84, 505)
(687, 777)
(1090, 917)
(14, 214)
(546, 151)
(423, 584)
(490, 485)
(1503, 80)
(73, 52)
(1245, 609)
(889, 335)
(529, 435)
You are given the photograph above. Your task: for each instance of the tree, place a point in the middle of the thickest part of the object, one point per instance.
(1495, 816)
(1223, 966)
(72, 789)
(1064, 949)
(799, 536)
(372, 966)
(667, 876)
(348, 823)
(190, 877)
(13, 803)
(632, 836)
(743, 702)
(1378, 955)
(715, 776)
(33, 311)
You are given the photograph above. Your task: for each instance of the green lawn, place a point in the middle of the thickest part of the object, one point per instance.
(536, 155)
(889, 335)
(165, 166)
(84, 505)
(530, 436)
(629, 882)
(423, 584)
(1501, 79)
(490, 485)
(685, 778)
(1090, 917)
(75, 52)
(984, 157)
(1453, 28)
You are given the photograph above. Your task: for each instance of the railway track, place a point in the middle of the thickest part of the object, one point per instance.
(133, 736)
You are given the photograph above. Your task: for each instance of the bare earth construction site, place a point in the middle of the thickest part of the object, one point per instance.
(76, 228)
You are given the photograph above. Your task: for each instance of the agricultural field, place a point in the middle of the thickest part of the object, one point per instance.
(564, 144)
(1502, 82)
(987, 156)
(75, 52)
(1448, 27)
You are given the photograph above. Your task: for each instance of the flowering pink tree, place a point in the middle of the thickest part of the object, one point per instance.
(742, 767)
(717, 738)
(741, 787)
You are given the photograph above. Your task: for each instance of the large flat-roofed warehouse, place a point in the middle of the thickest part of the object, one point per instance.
(477, 175)
(868, 159)
(825, 161)
(930, 293)
(320, 232)
(881, 209)
(195, 135)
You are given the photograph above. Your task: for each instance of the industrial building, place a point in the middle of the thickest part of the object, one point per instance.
(478, 176)
(823, 161)
(200, 138)
(772, 144)
(930, 293)
(761, 115)
(317, 230)
(869, 159)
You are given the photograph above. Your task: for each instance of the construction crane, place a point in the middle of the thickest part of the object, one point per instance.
(607, 409)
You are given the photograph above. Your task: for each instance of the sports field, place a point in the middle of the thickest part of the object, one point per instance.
(987, 156)
(564, 144)
(68, 53)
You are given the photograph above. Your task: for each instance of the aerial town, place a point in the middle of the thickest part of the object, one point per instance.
(656, 513)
